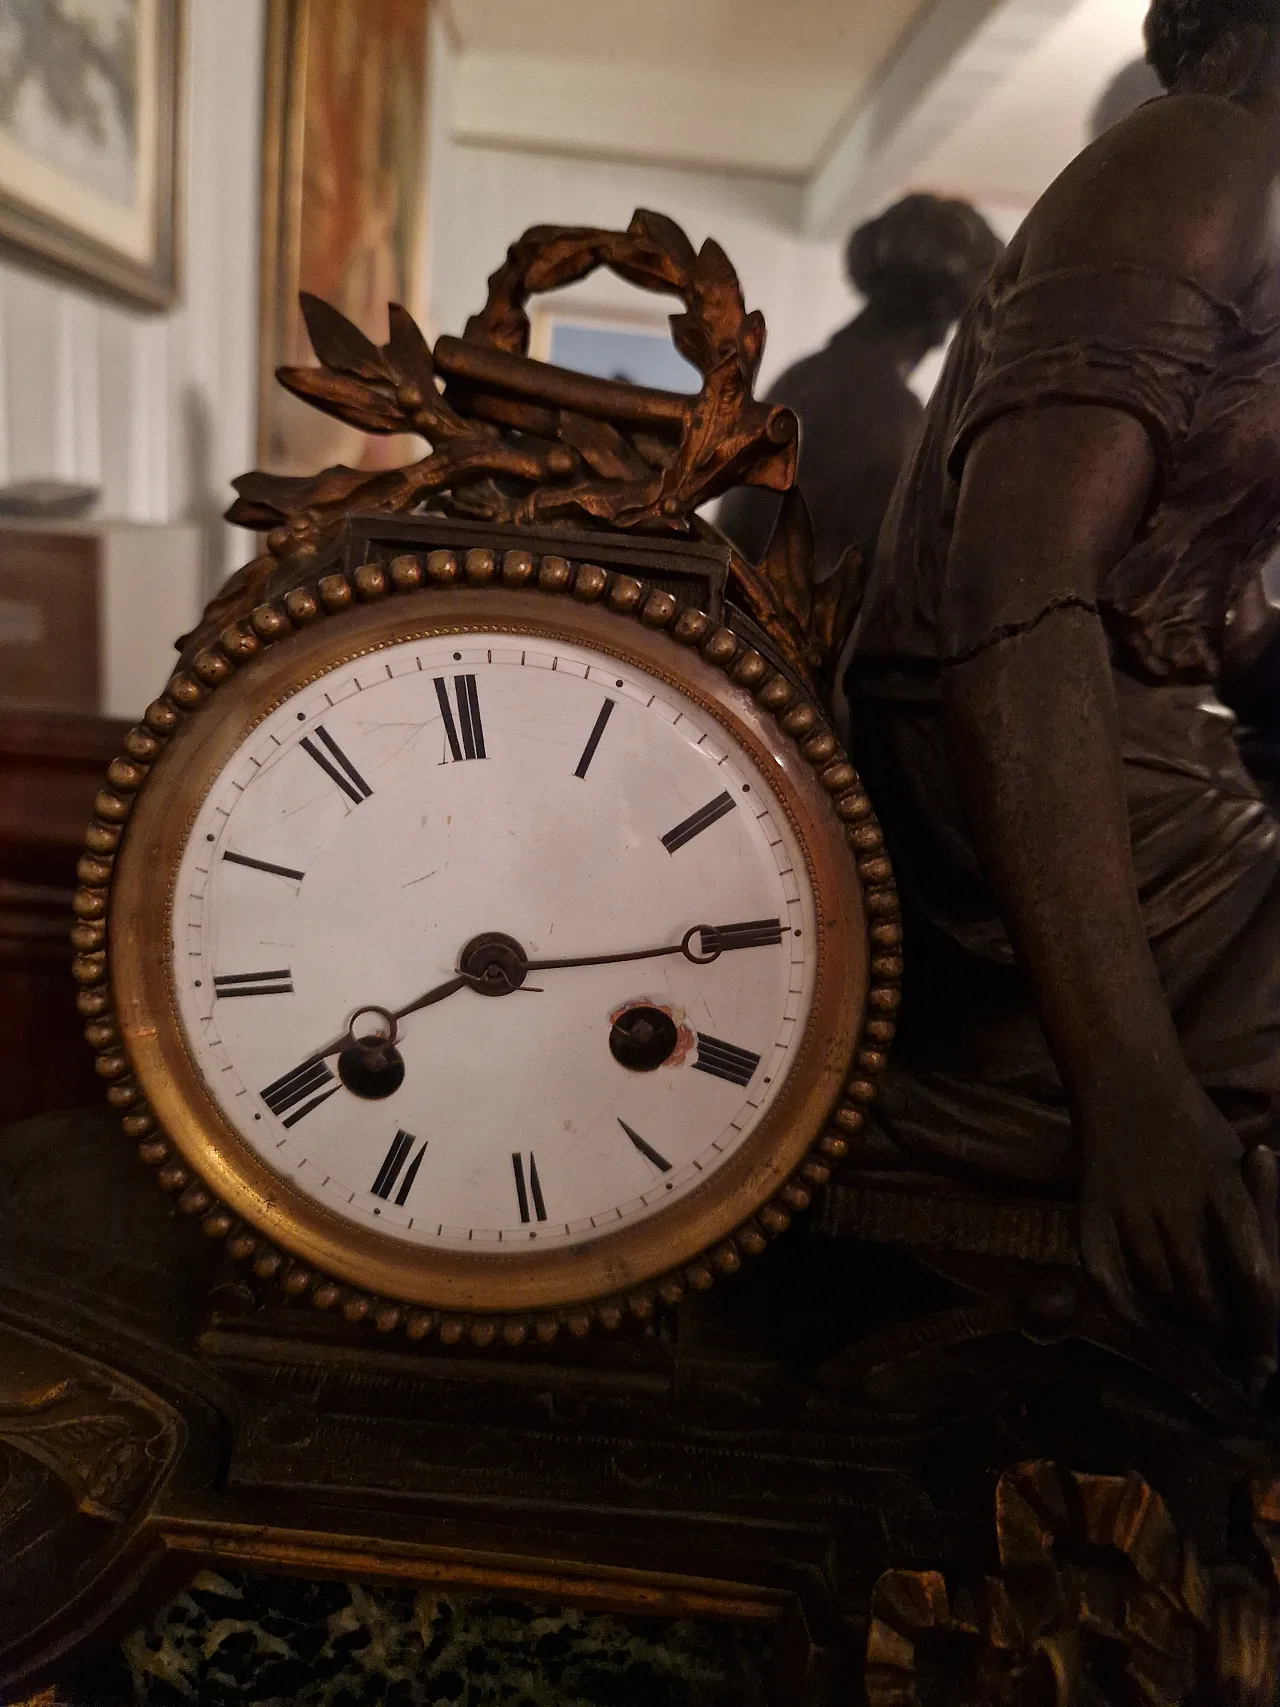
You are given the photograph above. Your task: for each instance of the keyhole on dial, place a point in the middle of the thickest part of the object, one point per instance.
(642, 1038)
(371, 1066)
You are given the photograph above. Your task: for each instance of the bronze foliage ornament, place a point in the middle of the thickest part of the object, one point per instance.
(515, 441)
(679, 453)
(1099, 1600)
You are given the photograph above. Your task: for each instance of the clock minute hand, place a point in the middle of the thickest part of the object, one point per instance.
(601, 959)
(714, 940)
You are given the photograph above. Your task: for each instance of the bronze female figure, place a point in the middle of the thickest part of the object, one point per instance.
(1092, 879)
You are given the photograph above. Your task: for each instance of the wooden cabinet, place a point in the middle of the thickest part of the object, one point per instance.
(50, 769)
(89, 612)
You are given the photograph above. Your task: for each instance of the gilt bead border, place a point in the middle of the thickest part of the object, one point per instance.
(331, 594)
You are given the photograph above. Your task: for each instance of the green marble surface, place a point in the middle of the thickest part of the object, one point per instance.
(260, 1639)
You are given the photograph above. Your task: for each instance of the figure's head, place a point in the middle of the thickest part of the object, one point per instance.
(1219, 46)
(921, 261)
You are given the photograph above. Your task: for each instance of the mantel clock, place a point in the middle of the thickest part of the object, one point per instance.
(484, 934)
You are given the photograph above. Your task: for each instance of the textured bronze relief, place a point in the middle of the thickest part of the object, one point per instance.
(104, 1439)
(1098, 1599)
(84, 1450)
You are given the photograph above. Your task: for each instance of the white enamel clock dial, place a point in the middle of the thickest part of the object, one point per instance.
(373, 828)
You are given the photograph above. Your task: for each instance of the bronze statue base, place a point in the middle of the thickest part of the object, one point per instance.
(928, 1487)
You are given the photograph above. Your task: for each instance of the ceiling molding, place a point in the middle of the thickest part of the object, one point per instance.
(711, 117)
(786, 189)
(951, 59)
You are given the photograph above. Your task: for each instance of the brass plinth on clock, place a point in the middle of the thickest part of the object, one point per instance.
(483, 933)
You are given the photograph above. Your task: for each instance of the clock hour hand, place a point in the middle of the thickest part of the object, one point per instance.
(369, 1064)
(491, 964)
(386, 1037)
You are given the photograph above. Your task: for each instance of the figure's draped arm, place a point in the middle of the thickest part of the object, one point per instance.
(1050, 499)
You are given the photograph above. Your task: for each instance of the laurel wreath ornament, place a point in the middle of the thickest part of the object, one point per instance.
(513, 441)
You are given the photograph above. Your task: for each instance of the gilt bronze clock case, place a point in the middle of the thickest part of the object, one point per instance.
(426, 579)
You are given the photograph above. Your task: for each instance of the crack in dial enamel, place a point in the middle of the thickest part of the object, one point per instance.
(430, 792)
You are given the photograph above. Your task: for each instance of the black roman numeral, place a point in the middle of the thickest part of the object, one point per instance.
(725, 1060)
(264, 865)
(335, 763)
(698, 821)
(299, 1088)
(392, 1163)
(646, 1150)
(534, 1189)
(593, 740)
(755, 933)
(254, 984)
(471, 745)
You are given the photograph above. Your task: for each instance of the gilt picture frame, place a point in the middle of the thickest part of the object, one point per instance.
(343, 201)
(90, 140)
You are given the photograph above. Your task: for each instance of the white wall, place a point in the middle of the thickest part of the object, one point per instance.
(157, 409)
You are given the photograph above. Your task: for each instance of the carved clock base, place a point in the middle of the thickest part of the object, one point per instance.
(845, 1444)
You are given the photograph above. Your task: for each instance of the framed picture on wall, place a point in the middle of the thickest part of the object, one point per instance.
(611, 346)
(343, 201)
(89, 94)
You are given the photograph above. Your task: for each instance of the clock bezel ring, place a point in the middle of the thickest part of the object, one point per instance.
(292, 1239)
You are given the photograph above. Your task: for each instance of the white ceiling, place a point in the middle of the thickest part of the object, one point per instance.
(755, 85)
(850, 101)
(1011, 146)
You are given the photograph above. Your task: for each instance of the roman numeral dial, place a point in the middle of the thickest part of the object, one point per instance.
(698, 821)
(594, 739)
(254, 984)
(264, 865)
(528, 1188)
(493, 944)
(755, 933)
(646, 1149)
